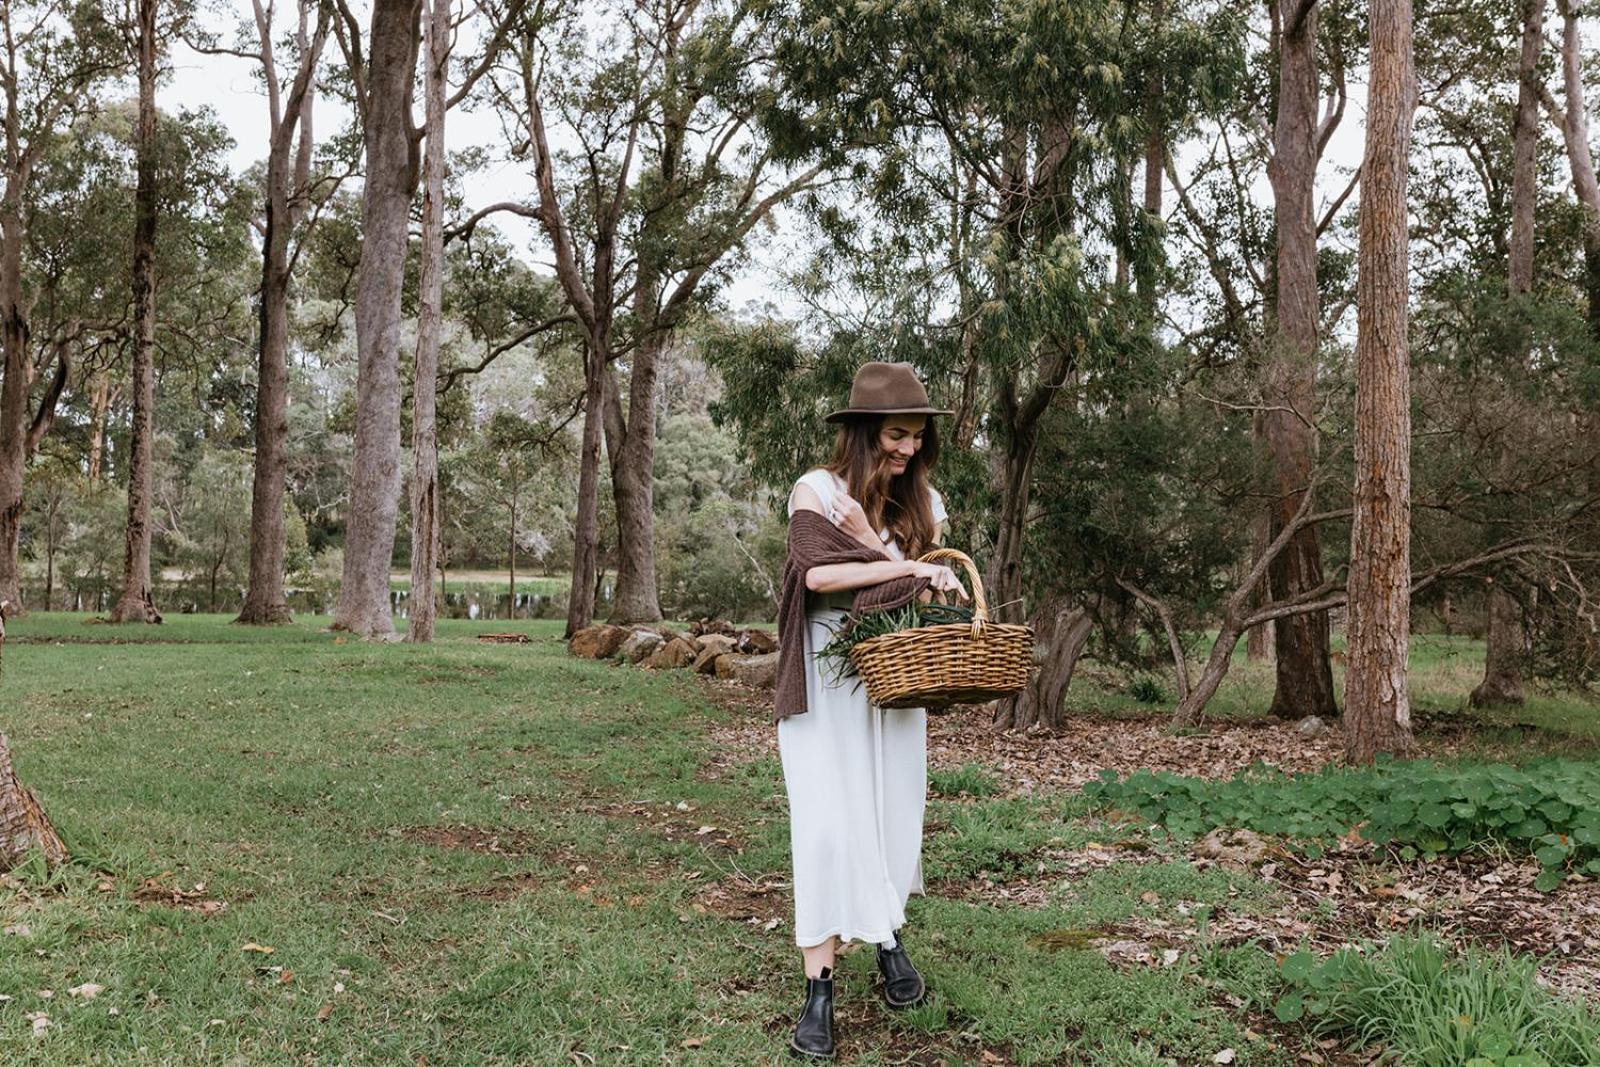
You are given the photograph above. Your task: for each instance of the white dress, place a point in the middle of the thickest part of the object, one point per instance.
(857, 778)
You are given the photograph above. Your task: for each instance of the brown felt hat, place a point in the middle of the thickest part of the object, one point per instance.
(887, 389)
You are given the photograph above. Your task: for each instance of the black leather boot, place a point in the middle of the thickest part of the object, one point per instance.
(813, 1032)
(902, 985)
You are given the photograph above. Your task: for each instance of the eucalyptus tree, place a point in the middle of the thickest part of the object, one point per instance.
(289, 73)
(146, 38)
(53, 62)
(680, 145)
(382, 73)
(1377, 699)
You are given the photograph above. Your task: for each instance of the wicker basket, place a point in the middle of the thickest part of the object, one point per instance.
(953, 663)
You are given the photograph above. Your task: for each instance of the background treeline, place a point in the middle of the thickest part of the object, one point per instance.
(1123, 240)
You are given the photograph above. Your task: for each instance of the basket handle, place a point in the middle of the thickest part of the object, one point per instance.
(980, 603)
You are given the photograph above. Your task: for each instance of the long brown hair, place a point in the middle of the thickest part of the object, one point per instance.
(899, 503)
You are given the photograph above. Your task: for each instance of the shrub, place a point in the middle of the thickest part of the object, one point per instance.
(1550, 808)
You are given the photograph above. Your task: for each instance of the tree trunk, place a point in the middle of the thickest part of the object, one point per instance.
(425, 389)
(1506, 652)
(632, 448)
(1014, 463)
(511, 578)
(136, 603)
(1304, 675)
(1061, 631)
(99, 404)
(13, 397)
(24, 826)
(1193, 705)
(264, 601)
(1155, 153)
(1377, 701)
(586, 524)
(1525, 148)
(1507, 643)
(363, 606)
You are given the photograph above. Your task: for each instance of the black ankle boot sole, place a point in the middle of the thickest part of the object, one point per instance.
(801, 1054)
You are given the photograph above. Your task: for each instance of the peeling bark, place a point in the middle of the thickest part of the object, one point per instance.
(1377, 700)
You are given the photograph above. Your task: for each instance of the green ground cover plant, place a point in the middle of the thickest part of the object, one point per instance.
(1550, 807)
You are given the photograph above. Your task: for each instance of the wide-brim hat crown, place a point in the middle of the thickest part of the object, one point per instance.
(886, 389)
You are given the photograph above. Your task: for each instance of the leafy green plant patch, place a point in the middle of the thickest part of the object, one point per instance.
(1435, 1009)
(1550, 808)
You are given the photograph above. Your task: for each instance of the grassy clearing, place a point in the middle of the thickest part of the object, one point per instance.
(471, 853)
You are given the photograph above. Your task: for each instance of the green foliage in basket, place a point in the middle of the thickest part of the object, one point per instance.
(856, 629)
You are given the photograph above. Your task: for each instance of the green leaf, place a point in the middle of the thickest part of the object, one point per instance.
(1297, 966)
(1290, 1008)
(1548, 880)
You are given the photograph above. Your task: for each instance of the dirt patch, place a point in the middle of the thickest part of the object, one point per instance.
(494, 841)
(759, 902)
(504, 887)
(681, 823)
(154, 891)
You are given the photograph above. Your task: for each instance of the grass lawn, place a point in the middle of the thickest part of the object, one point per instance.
(472, 853)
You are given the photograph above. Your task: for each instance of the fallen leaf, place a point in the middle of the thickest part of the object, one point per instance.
(324, 1011)
(693, 1042)
(1227, 1055)
(20, 930)
(265, 950)
(40, 1021)
(88, 990)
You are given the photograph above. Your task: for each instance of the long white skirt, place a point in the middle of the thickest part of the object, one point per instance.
(857, 777)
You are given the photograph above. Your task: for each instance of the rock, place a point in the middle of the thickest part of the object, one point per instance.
(679, 652)
(758, 642)
(639, 644)
(1310, 726)
(720, 642)
(758, 671)
(597, 642)
(709, 626)
(1235, 848)
(706, 661)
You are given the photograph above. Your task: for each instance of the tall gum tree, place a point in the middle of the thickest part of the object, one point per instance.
(288, 191)
(1304, 676)
(136, 602)
(382, 76)
(1377, 699)
(674, 109)
(1507, 639)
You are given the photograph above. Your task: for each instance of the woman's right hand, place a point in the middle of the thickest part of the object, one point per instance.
(850, 517)
(940, 578)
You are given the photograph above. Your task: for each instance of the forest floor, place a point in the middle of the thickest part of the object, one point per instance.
(291, 846)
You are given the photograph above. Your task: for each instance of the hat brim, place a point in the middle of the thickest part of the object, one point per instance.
(846, 413)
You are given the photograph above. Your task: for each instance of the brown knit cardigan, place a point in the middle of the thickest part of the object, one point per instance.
(816, 542)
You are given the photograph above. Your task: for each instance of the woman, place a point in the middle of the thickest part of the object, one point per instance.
(856, 774)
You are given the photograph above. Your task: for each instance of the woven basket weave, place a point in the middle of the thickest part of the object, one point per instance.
(953, 663)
